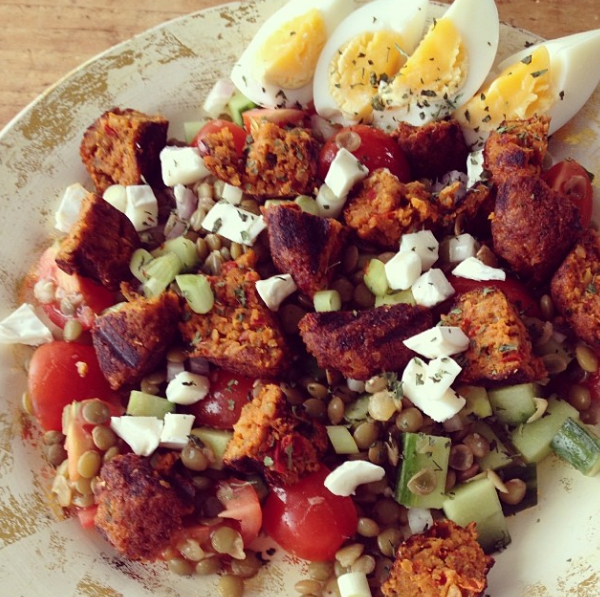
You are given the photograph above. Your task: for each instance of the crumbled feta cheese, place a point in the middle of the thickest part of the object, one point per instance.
(69, 207)
(441, 373)
(474, 269)
(344, 172)
(182, 165)
(424, 244)
(142, 206)
(116, 195)
(274, 290)
(461, 247)
(23, 326)
(419, 519)
(403, 270)
(175, 431)
(237, 225)
(432, 288)
(187, 388)
(232, 194)
(328, 205)
(439, 341)
(218, 97)
(350, 474)
(474, 167)
(355, 385)
(141, 434)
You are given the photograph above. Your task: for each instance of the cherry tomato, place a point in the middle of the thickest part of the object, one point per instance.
(242, 504)
(518, 294)
(376, 150)
(223, 405)
(307, 520)
(88, 298)
(571, 179)
(215, 126)
(60, 373)
(282, 116)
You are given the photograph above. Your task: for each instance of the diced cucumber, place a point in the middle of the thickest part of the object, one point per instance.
(238, 104)
(327, 300)
(499, 455)
(477, 501)
(197, 292)
(528, 474)
(425, 455)
(161, 271)
(184, 248)
(579, 446)
(357, 410)
(375, 279)
(307, 204)
(191, 129)
(395, 298)
(513, 405)
(477, 404)
(533, 440)
(217, 440)
(142, 404)
(341, 439)
(138, 263)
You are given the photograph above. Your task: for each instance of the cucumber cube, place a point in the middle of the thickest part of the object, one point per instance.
(478, 403)
(513, 405)
(147, 405)
(217, 440)
(579, 446)
(499, 455)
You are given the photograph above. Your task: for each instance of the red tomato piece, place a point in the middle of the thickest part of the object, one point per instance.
(88, 298)
(86, 516)
(215, 126)
(223, 405)
(282, 117)
(376, 150)
(307, 520)
(572, 180)
(60, 373)
(242, 504)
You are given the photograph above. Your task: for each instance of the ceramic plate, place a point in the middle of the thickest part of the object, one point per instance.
(556, 545)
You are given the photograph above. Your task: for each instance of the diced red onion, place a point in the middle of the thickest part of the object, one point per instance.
(419, 519)
(175, 227)
(455, 423)
(322, 128)
(199, 365)
(173, 368)
(186, 201)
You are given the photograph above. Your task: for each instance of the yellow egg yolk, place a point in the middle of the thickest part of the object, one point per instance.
(288, 57)
(359, 66)
(520, 91)
(435, 71)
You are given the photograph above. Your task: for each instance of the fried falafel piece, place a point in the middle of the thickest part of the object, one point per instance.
(433, 149)
(575, 288)
(132, 340)
(140, 510)
(240, 333)
(443, 561)
(500, 350)
(533, 227)
(272, 439)
(100, 244)
(361, 344)
(303, 245)
(123, 147)
(277, 162)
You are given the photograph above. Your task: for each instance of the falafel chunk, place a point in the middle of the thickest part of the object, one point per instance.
(139, 509)
(100, 244)
(274, 440)
(500, 350)
(533, 227)
(123, 147)
(361, 344)
(304, 245)
(132, 339)
(517, 147)
(443, 561)
(433, 149)
(277, 162)
(575, 288)
(384, 209)
(239, 334)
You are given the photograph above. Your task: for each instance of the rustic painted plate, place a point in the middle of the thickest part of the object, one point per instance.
(556, 546)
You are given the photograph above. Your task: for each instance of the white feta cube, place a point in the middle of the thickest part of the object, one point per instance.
(432, 288)
(218, 97)
(474, 167)
(413, 379)
(175, 431)
(424, 244)
(344, 172)
(461, 247)
(350, 474)
(142, 206)
(328, 205)
(354, 584)
(274, 290)
(444, 408)
(474, 269)
(237, 225)
(23, 326)
(439, 341)
(187, 388)
(419, 519)
(70, 205)
(403, 270)
(441, 373)
(116, 195)
(141, 434)
(182, 165)
(232, 194)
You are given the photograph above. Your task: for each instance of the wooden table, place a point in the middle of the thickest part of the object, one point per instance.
(42, 40)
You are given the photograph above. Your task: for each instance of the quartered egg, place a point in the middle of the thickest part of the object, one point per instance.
(446, 69)
(368, 47)
(551, 78)
(277, 67)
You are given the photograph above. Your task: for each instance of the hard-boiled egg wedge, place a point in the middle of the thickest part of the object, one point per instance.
(445, 70)
(367, 47)
(552, 78)
(277, 67)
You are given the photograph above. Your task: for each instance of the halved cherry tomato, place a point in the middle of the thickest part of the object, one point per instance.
(307, 520)
(282, 117)
(215, 126)
(86, 516)
(376, 150)
(87, 298)
(60, 373)
(571, 179)
(518, 294)
(242, 504)
(223, 405)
